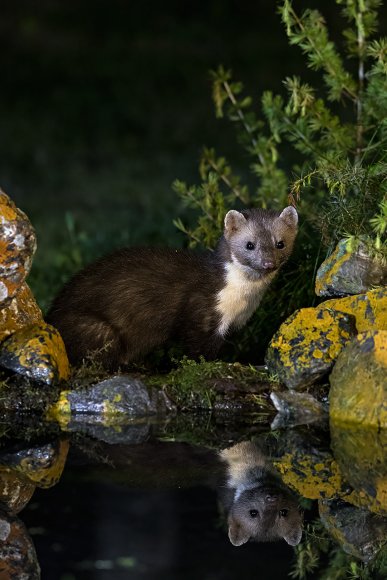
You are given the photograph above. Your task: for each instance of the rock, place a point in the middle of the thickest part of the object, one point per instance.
(358, 531)
(358, 382)
(22, 311)
(307, 344)
(349, 270)
(311, 472)
(15, 490)
(42, 465)
(361, 456)
(17, 247)
(17, 553)
(296, 409)
(36, 352)
(369, 310)
(105, 401)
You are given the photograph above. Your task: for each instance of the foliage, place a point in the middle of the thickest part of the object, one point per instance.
(318, 547)
(321, 147)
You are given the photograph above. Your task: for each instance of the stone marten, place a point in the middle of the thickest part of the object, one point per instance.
(126, 304)
(259, 506)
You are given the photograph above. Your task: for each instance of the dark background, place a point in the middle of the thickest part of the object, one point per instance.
(104, 103)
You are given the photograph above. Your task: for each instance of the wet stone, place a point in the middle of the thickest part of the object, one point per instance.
(349, 270)
(307, 344)
(17, 247)
(21, 312)
(18, 558)
(117, 395)
(15, 490)
(36, 352)
(358, 531)
(134, 432)
(296, 409)
(358, 391)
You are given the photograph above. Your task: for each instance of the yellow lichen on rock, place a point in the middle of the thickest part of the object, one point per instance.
(21, 312)
(37, 352)
(310, 479)
(307, 345)
(369, 310)
(358, 392)
(350, 269)
(17, 246)
(43, 466)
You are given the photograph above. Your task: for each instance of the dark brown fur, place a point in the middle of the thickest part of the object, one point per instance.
(127, 304)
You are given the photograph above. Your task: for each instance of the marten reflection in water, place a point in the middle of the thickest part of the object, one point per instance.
(258, 505)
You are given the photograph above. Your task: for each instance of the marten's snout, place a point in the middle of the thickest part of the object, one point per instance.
(268, 265)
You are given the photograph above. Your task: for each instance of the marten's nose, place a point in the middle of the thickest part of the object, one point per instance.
(268, 265)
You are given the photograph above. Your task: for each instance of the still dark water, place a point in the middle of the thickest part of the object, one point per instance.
(102, 522)
(111, 506)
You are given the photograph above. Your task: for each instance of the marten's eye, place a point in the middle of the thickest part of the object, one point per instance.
(283, 513)
(280, 245)
(253, 513)
(250, 246)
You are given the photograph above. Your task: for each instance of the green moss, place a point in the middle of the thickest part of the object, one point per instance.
(197, 384)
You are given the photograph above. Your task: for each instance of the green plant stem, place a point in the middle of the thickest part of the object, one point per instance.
(225, 179)
(241, 115)
(329, 69)
(361, 78)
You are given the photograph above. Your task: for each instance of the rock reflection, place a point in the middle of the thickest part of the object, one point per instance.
(21, 471)
(259, 506)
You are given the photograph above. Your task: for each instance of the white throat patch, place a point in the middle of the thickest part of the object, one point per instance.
(240, 296)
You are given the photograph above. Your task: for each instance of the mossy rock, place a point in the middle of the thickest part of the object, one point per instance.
(21, 312)
(307, 345)
(358, 531)
(369, 310)
(36, 352)
(360, 453)
(358, 392)
(349, 270)
(17, 247)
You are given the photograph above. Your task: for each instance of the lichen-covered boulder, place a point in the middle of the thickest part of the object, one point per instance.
(15, 490)
(369, 310)
(358, 392)
(307, 344)
(36, 352)
(361, 455)
(22, 311)
(41, 465)
(17, 553)
(17, 247)
(349, 270)
(358, 531)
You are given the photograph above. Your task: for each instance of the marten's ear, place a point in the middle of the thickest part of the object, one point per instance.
(293, 537)
(236, 533)
(290, 216)
(233, 221)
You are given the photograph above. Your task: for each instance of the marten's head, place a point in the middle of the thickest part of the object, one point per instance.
(265, 514)
(259, 240)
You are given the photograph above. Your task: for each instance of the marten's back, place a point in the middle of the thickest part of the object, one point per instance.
(136, 298)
